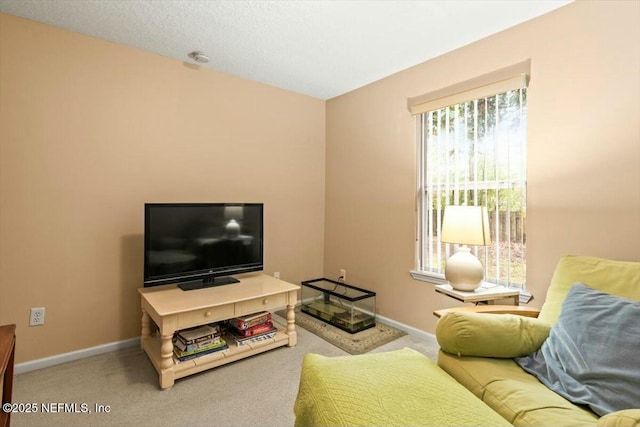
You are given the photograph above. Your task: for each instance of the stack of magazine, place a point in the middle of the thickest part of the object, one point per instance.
(198, 341)
(251, 329)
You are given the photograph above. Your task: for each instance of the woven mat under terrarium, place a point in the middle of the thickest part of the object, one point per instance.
(358, 343)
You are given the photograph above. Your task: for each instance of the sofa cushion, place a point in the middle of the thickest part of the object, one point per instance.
(395, 388)
(619, 278)
(517, 396)
(626, 418)
(490, 335)
(591, 355)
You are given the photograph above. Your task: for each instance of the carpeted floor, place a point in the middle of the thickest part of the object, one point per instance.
(257, 391)
(358, 343)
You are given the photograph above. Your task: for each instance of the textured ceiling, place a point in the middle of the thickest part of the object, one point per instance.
(319, 48)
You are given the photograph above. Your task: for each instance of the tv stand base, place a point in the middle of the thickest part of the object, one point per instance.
(207, 283)
(167, 309)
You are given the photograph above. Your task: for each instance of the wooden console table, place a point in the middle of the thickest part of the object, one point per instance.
(167, 309)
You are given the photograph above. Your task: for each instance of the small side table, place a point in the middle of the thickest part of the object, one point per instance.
(486, 295)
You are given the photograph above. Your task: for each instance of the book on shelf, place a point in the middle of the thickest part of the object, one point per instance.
(202, 353)
(242, 339)
(190, 347)
(254, 330)
(198, 333)
(245, 322)
(186, 355)
(255, 338)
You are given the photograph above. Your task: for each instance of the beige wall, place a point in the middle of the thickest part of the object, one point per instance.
(583, 154)
(90, 131)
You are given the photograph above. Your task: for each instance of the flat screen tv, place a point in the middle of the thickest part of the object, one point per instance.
(199, 245)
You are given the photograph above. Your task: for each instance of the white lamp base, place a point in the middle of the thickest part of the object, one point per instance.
(232, 228)
(463, 270)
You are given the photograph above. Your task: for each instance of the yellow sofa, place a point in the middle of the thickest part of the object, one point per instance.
(476, 381)
(481, 363)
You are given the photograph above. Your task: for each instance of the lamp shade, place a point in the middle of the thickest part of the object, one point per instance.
(466, 225)
(233, 212)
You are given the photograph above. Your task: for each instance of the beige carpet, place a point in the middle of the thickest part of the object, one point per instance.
(257, 391)
(358, 343)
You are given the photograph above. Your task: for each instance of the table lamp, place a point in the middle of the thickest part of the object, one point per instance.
(233, 214)
(465, 225)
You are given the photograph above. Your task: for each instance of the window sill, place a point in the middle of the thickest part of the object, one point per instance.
(438, 279)
(423, 276)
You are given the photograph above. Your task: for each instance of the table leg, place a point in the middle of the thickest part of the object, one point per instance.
(146, 328)
(291, 325)
(166, 354)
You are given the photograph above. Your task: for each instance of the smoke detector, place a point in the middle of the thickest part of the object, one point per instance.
(199, 57)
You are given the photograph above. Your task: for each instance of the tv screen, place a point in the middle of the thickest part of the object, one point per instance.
(198, 245)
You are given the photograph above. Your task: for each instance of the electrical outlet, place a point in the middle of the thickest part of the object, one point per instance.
(343, 275)
(276, 275)
(37, 316)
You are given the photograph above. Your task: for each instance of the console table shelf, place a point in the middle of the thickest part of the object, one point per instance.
(171, 309)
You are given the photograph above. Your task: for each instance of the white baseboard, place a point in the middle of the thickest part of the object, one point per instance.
(105, 348)
(418, 333)
(74, 355)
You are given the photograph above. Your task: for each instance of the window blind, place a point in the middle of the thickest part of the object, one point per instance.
(473, 152)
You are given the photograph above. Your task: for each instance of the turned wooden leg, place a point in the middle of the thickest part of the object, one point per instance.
(166, 353)
(146, 329)
(291, 325)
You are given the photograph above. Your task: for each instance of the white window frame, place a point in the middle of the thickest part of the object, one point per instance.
(480, 88)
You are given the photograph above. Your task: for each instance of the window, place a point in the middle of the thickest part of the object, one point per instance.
(473, 152)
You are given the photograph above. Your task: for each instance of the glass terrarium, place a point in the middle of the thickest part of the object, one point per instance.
(344, 306)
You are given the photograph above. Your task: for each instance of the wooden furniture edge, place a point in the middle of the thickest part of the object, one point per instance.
(485, 295)
(7, 354)
(493, 309)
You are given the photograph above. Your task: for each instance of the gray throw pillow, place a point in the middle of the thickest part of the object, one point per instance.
(592, 354)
